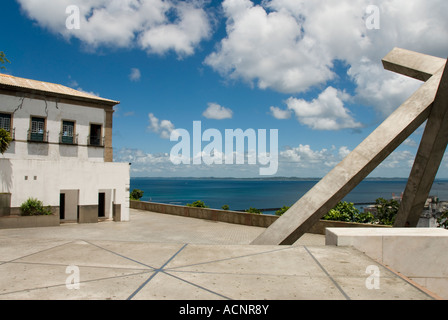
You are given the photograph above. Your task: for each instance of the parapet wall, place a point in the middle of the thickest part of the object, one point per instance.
(249, 219)
(236, 217)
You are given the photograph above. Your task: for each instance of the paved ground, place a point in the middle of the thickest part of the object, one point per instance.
(157, 256)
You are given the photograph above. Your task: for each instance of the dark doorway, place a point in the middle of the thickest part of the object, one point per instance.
(101, 204)
(62, 206)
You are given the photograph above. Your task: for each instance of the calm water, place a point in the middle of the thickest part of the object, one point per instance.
(242, 194)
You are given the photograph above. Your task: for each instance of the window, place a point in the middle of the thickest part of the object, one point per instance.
(5, 121)
(37, 132)
(68, 130)
(95, 135)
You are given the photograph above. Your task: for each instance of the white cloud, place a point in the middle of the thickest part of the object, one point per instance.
(327, 112)
(157, 26)
(269, 48)
(164, 128)
(279, 113)
(290, 45)
(215, 111)
(135, 74)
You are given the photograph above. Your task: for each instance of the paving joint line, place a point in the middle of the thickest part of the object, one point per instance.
(81, 282)
(225, 259)
(31, 254)
(122, 256)
(196, 285)
(328, 275)
(156, 271)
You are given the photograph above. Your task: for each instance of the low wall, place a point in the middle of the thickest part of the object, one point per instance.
(11, 222)
(236, 217)
(249, 219)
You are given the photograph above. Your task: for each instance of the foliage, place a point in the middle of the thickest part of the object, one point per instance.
(365, 217)
(225, 207)
(253, 210)
(197, 204)
(347, 212)
(3, 60)
(34, 207)
(386, 210)
(136, 194)
(343, 211)
(5, 140)
(442, 221)
(281, 211)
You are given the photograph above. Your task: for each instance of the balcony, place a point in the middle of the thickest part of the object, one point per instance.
(95, 141)
(38, 136)
(67, 138)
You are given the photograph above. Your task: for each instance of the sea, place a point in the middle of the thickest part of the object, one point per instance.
(265, 194)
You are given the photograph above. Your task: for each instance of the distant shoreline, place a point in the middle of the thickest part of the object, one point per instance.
(268, 178)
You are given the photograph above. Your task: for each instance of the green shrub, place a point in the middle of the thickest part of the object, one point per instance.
(225, 207)
(281, 211)
(34, 207)
(197, 204)
(343, 211)
(253, 210)
(365, 217)
(136, 194)
(442, 221)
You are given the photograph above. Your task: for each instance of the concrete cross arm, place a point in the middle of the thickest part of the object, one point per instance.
(412, 64)
(368, 155)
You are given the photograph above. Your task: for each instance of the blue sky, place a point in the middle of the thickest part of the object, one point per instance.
(310, 69)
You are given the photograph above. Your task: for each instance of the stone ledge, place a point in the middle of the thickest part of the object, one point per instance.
(417, 253)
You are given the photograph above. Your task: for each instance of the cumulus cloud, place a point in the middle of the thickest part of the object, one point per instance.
(290, 46)
(157, 26)
(279, 113)
(215, 111)
(135, 74)
(164, 127)
(327, 112)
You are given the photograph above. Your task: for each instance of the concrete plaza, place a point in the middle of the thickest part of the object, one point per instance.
(157, 256)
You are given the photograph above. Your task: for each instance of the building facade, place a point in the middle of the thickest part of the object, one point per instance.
(61, 152)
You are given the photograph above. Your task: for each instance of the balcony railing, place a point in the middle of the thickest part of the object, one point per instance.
(95, 141)
(65, 138)
(39, 136)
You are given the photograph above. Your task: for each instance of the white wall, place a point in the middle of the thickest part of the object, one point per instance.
(46, 179)
(54, 114)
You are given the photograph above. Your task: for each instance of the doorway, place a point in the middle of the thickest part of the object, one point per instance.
(101, 204)
(62, 206)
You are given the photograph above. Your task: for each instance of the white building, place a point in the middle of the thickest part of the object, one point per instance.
(61, 152)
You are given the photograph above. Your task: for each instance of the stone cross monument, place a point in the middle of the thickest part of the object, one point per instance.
(429, 102)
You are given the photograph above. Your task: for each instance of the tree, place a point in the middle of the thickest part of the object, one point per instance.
(442, 221)
(3, 60)
(343, 211)
(136, 194)
(5, 140)
(386, 210)
(225, 207)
